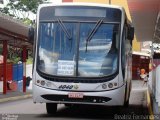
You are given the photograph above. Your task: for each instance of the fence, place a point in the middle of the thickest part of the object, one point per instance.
(14, 73)
(17, 72)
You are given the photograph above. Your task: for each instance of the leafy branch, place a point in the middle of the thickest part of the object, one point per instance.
(20, 9)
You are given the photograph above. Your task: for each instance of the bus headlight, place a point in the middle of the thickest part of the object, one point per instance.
(115, 84)
(110, 85)
(104, 86)
(38, 81)
(43, 82)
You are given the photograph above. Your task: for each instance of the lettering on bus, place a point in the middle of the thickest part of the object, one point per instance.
(69, 87)
(65, 87)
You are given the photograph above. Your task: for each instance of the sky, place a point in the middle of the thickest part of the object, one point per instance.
(56, 1)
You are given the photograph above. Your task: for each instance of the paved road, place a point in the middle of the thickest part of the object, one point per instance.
(27, 110)
(37, 111)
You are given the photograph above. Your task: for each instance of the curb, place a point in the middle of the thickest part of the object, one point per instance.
(149, 105)
(15, 98)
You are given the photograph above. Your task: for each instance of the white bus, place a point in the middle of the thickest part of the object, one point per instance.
(83, 55)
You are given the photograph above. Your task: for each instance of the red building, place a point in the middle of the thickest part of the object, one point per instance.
(139, 61)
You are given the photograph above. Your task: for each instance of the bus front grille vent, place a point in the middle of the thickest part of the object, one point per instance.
(87, 99)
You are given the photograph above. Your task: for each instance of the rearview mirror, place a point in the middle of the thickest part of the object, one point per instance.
(31, 35)
(130, 34)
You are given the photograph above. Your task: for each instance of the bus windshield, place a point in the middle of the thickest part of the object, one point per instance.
(63, 49)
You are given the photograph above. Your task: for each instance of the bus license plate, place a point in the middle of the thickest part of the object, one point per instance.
(75, 95)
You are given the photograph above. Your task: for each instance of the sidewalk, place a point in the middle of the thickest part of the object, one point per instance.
(139, 91)
(15, 95)
(138, 84)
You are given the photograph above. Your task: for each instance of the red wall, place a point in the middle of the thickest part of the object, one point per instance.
(141, 62)
(9, 71)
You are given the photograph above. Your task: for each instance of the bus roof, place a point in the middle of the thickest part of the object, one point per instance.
(81, 4)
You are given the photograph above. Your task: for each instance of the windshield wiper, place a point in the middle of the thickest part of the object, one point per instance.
(64, 29)
(91, 34)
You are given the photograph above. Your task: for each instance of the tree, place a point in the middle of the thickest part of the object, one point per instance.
(20, 9)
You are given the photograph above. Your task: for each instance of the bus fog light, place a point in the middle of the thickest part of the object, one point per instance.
(110, 85)
(42, 82)
(115, 84)
(38, 81)
(104, 86)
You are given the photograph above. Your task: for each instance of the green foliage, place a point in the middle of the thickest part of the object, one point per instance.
(27, 21)
(25, 5)
(29, 60)
(20, 8)
(5, 10)
(0, 50)
(14, 55)
(14, 60)
(30, 5)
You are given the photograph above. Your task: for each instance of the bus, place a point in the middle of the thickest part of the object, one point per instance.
(82, 55)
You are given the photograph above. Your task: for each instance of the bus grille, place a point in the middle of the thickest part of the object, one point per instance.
(87, 99)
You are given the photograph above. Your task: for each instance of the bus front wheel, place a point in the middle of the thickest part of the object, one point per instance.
(126, 102)
(51, 108)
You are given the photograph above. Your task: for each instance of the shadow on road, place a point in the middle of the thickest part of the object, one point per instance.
(97, 112)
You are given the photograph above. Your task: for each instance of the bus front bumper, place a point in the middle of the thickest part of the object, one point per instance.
(110, 98)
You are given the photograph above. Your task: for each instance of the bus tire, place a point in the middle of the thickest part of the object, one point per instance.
(68, 105)
(126, 102)
(51, 108)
